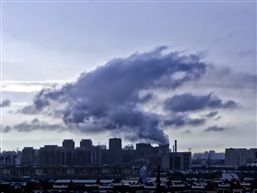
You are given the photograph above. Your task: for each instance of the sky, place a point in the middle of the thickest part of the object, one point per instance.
(143, 71)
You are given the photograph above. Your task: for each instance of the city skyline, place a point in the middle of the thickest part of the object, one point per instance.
(140, 149)
(88, 143)
(141, 71)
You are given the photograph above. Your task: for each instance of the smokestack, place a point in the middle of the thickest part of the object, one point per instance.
(175, 145)
(173, 148)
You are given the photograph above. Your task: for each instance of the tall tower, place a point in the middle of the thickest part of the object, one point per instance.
(69, 150)
(115, 150)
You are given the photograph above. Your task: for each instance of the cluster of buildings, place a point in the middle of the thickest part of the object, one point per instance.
(90, 159)
(87, 154)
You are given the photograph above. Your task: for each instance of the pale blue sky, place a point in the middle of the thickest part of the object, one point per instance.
(57, 41)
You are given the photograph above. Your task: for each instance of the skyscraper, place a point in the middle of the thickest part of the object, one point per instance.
(27, 157)
(69, 151)
(86, 143)
(68, 144)
(115, 150)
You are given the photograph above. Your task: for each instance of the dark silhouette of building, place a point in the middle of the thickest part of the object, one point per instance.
(96, 155)
(128, 156)
(82, 156)
(144, 149)
(115, 152)
(69, 153)
(68, 144)
(164, 149)
(9, 158)
(51, 155)
(86, 143)
(172, 161)
(28, 156)
(106, 156)
(88, 155)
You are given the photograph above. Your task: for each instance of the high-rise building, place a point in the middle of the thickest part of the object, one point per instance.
(128, 155)
(86, 143)
(8, 158)
(82, 156)
(68, 144)
(27, 157)
(51, 155)
(143, 149)
(96, 156)
(103, 147)
(69, 151)
(106, 156)
(115, 152)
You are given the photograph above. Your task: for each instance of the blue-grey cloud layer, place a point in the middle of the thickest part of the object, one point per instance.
(107, 98)
(110, 97)
(189, 102)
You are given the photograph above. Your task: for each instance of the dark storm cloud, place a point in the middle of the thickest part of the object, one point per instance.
(108, 97)
(188, 102)
(5, 103)
(214, 128)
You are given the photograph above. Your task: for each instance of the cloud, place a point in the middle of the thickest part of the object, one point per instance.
(121, 97)
(177, 122)
(182, 120)
(30, 86)
(189, 102)
(187, 131)
(5, 103)
(214, 129)
(211, 114)
(35, 124)
(247, 52)
(217, 118)
(226, 78)
(108, 98)
(6, 129)
(198, 121)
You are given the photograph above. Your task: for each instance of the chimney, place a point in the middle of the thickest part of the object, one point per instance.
(175, 145)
